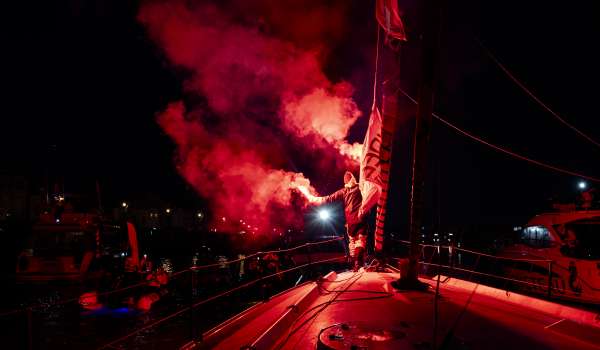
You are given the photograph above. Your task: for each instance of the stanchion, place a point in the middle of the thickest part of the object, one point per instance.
(475, 267)
(550, 279)
(309, 256)
(192, 285)
(29, 329)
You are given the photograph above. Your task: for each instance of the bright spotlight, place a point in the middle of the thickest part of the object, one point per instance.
(582, 185)
(324, 214)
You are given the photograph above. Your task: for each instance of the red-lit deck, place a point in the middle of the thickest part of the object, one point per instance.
(376, 316)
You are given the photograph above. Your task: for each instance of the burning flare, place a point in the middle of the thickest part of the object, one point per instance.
(307, 194)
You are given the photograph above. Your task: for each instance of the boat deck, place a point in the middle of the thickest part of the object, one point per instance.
(361, 310)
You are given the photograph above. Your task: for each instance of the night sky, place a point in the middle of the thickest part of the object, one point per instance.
(83, 83)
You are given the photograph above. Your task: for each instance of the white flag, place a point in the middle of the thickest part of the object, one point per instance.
(370, 163)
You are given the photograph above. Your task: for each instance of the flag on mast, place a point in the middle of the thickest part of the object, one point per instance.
(388, 16)
(370, 163)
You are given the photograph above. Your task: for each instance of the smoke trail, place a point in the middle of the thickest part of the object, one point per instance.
(257, 100)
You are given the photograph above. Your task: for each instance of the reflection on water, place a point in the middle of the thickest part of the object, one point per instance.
(70, 326)
(166, 264)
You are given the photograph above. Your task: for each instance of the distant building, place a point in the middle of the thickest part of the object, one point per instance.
(15, 201)
(164, 217)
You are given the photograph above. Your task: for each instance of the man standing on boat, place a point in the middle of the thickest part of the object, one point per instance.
(355, 225)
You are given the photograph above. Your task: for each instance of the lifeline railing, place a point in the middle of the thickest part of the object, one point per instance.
(29, 311)
(455, 265)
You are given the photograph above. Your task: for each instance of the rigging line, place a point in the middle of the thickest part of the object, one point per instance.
(448, 337)
(321, 307)
(376, 70)
(339, 291)
(533, 96)
(503, 150)
(436, 308)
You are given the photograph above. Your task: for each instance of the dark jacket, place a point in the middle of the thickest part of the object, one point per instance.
(352, 202)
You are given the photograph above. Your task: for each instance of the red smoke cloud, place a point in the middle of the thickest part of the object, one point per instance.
(235, 172)
(259, 98)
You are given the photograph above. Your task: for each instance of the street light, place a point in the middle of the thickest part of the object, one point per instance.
(168, 211)
(582, 185)
(124, 204)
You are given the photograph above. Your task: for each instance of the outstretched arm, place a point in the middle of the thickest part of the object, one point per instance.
(335, 196)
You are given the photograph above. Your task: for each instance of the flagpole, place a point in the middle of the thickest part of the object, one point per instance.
(387, 15)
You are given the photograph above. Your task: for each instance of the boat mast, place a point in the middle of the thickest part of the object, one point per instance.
(430, 12)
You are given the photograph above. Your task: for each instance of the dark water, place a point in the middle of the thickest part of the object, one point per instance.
(56, 325)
